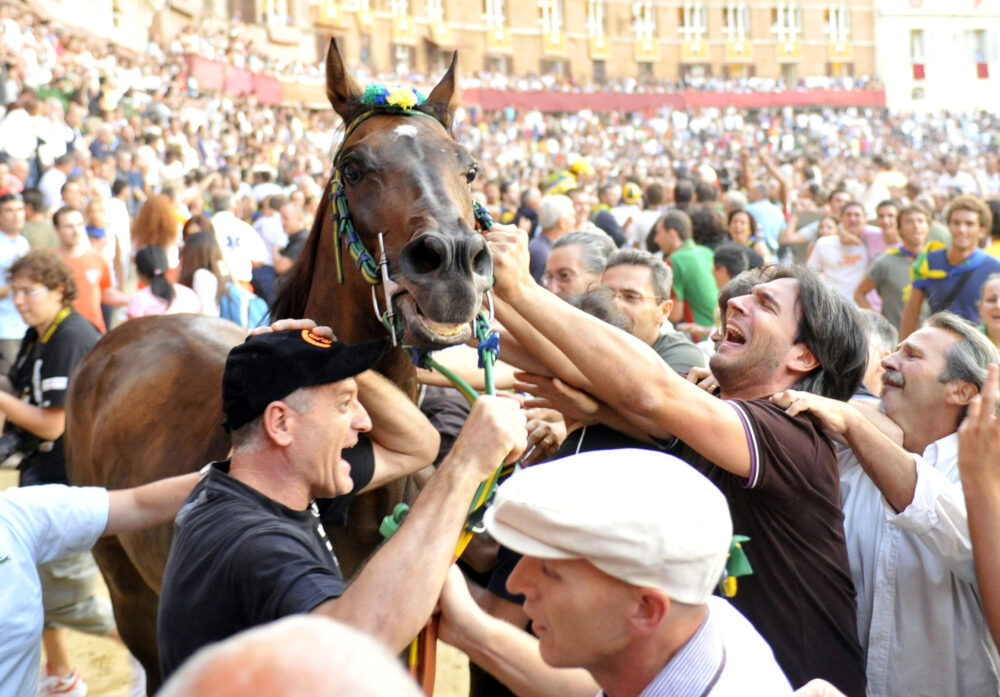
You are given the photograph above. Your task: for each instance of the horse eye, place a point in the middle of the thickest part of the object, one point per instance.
(352, 172)
(471, 174)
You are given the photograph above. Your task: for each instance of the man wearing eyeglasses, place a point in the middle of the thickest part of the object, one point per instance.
(641, 284)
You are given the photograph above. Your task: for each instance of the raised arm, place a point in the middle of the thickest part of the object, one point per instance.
(396, 591)
(866, 286)
(147, 505)
(890, 467)
(403, 440)
(979, 466)
(506, 652)
(911, 313)
(617, 368)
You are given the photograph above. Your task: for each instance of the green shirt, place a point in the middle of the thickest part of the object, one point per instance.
(678, 352)
(693, 281)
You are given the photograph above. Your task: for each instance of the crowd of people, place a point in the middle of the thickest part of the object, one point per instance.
(801, 310)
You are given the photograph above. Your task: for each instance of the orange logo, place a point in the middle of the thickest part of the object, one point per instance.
(317, 340)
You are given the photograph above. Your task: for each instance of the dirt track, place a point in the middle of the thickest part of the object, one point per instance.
(105, 666)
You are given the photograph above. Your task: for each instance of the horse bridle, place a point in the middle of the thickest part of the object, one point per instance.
(376, 272)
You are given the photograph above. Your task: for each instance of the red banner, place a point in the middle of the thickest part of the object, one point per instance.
(238, 81)
(215, 76)
(490, 100)
(267, 89)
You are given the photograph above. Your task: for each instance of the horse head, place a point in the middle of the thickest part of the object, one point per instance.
(403, 176)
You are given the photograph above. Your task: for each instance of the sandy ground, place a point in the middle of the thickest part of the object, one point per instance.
(105, 666)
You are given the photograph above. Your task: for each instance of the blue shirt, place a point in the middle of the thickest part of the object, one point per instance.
(937, 278)
(770, 221)
(726, 656)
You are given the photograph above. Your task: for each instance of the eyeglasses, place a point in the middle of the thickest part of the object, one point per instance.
(24, 292)
(562, 276)
(631, 297)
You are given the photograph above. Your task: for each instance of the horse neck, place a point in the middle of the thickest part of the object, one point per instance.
(347, 308)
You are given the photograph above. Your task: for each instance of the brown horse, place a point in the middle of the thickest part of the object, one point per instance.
(145, 403)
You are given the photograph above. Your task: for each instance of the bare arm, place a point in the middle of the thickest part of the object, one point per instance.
(617, 368)
(507, 652)
(403, 439)
(464, 361)
(866, 286)
(979, 466)
(147, 505)
(889, 466)
(114, 297)
(782, 182)
(395, 593)
(48, 423)
(911, 313)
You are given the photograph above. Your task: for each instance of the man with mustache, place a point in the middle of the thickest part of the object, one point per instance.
(778, 473)
(920, 619)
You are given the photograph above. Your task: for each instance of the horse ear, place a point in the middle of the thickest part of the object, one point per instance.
(443, 99)
(341, 89)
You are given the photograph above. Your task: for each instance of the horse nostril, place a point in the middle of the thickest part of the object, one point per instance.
(482, 262)
(423, 256)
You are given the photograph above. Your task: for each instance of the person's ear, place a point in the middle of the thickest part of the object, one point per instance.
(960, 392)
(651, 610)
(278, 422)
(666, 306)
(803, 360)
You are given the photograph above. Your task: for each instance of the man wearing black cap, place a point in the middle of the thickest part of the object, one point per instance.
(248, 547)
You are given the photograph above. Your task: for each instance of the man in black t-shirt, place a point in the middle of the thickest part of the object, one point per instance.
(778, 472)
(248, 547)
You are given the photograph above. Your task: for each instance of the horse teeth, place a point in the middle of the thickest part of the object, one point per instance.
(442, 328)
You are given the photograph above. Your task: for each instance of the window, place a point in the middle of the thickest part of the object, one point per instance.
(600, 72)
(837, 23)
(243, 10)
(736, 21)
(977, 40)
(917, 46)
(786, 22)
(644, 20)
(692, 20)
(550, 16)
(597, 19)
(435, 12)
(554, 66)
(399, 8)
(495, 13)
(276, 12)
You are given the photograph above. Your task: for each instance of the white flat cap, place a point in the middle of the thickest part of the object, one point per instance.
(641, 516)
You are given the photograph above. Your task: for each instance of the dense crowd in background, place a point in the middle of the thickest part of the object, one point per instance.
(162, 197)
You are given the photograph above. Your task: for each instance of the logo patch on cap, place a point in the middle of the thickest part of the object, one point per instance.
(310, 337)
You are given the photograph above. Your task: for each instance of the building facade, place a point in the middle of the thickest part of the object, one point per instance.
(938, 55)
(599, 40)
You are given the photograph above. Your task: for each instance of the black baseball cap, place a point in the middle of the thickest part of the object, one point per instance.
(270, 366)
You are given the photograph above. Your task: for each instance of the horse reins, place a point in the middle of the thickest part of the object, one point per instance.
(376, 273)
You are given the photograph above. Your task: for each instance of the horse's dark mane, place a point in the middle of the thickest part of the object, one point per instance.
(291, 300)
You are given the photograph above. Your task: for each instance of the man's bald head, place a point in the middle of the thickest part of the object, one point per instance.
(299, 656)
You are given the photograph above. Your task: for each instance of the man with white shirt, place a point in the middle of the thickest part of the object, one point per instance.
(242, 247)
(53, 179)
(13, 246)
(270, 229)
(920, 619)
(953, 178)
(619, 586)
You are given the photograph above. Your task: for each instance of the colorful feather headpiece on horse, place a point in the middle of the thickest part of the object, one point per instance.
(403, 97)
